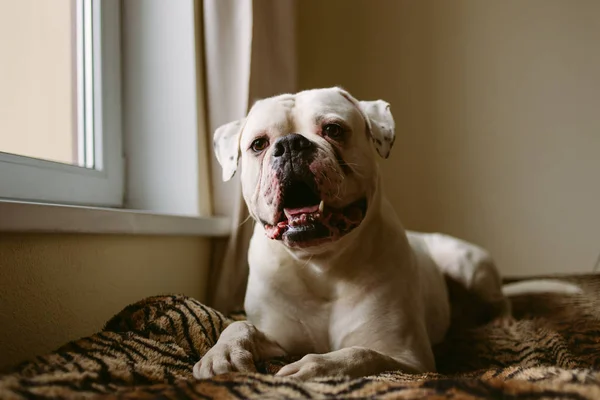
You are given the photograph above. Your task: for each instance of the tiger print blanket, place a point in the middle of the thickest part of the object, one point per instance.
(549, 349)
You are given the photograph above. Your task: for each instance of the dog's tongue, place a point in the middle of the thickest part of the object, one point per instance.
(290, 212)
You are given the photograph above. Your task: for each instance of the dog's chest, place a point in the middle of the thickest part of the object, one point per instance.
(296, 316)
(298, 328)
(309, 330)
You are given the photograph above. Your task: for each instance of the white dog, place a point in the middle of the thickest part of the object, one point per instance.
(334, 277)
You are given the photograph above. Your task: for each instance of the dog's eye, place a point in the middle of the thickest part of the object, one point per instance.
(259, 145)
(334, 131)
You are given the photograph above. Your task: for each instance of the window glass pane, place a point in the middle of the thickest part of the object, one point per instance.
(43, 80)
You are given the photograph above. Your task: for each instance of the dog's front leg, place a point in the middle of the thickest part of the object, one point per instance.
(352, 362)
(238, 347)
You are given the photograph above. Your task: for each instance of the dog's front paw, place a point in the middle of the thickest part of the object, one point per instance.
(308, 367)
(224, 358)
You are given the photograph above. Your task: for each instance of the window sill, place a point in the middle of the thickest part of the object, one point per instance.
(17, 216)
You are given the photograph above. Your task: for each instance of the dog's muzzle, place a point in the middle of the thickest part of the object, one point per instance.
(303, 218)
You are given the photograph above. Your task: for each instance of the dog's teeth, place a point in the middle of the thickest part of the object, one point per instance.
(321, 206)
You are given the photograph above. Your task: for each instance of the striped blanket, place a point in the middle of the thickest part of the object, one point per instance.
(550, 348)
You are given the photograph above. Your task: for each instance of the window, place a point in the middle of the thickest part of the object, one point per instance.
(84, 83)
(60, 112)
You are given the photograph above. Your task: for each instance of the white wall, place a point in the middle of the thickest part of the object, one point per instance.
(497, 106)
(57, 288)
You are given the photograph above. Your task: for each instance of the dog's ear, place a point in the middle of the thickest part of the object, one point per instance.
(226, 143)
(381, 125)
(380, 122)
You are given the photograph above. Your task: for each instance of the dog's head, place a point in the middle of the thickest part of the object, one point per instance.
(307, 162)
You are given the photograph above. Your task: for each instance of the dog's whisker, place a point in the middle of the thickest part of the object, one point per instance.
(307, 262)
(350, 164)
(248, 218)
(339, 189)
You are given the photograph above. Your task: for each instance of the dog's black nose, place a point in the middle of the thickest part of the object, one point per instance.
(292, 145)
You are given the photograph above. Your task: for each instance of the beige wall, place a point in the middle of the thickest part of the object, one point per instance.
(497, 106)
(56, 288)
(37, 79)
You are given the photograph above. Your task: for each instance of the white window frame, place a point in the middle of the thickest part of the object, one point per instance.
(54, 182)
(154, 181)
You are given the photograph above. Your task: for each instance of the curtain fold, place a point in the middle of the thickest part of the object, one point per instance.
(250, 53)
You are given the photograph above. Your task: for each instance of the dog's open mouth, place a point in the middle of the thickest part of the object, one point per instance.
(305, 220)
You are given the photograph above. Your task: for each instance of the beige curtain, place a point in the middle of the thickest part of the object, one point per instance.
(249, 53)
